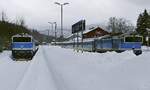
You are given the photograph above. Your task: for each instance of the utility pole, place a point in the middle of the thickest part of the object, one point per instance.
(61, 5)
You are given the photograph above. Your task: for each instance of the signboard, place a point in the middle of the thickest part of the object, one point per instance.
(79, 26)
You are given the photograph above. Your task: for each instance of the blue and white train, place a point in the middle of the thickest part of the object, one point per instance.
(23, 46)
(108, 43)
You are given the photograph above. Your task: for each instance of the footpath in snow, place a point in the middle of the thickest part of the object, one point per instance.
(55, 68)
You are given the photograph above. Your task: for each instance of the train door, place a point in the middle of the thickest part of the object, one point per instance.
(94, 45)
(115, 43)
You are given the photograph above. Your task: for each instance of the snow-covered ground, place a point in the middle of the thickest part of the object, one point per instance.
(11, 73)
(55, 68)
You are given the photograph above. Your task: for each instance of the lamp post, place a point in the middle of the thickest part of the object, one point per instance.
(61, 5)
(51, 25)
(55, 29)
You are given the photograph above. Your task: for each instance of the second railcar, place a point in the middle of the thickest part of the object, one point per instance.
(132, 43)
(108, 43)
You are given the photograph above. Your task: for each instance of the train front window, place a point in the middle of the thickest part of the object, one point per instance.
(133, 39)
(21, 39)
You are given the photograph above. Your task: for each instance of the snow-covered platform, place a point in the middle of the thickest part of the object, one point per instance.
(55, 68)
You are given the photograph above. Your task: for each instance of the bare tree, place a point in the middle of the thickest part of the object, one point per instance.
(3, 16)
(20, 21)
(119, 25)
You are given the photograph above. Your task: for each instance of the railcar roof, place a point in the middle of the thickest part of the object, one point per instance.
(22, 35)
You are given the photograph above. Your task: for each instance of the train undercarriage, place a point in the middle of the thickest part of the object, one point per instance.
(23, 55)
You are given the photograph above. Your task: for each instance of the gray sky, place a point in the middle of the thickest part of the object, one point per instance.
(38, 12)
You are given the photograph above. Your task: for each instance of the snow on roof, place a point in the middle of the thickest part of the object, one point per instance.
(89, 30)
(69, 36)
(72, 36)
(22, 35)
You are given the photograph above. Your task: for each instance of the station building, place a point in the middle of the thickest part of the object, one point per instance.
(90, 33)
(94, 33)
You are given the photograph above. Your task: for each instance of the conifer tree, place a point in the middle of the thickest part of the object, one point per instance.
(143, 23)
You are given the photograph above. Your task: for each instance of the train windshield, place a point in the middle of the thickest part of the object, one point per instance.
(22, 39)
(133, 39)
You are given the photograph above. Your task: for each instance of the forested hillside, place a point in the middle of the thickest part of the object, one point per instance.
(8, 29)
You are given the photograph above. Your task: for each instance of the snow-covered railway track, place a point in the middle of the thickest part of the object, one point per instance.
(56, 75)
(38, 75)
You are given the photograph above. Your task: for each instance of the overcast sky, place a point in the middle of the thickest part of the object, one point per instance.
(38, 12)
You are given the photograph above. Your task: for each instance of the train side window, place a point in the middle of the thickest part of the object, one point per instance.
(133, 39)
